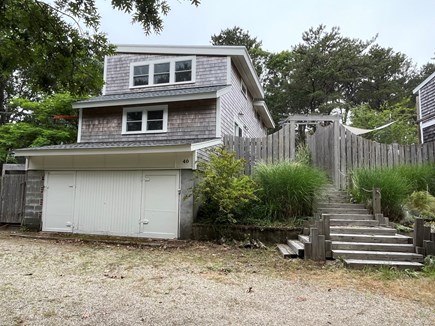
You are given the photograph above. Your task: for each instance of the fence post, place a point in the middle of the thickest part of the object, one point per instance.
(418, 233)
(376, 200)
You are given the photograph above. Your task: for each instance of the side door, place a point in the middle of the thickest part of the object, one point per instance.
(159, 217)
(58, 208)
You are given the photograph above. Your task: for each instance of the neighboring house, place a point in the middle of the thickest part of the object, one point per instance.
(131, 170)
(426, 108)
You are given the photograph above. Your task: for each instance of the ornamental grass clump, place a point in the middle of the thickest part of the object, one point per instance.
(394, 189)
(288, 189)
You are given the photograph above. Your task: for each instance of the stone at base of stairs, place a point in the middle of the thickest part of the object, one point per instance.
(362, 263)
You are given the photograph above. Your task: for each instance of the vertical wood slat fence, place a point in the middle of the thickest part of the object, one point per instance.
(12, 187)
(273, 148)
(333, 148)
(357, 152)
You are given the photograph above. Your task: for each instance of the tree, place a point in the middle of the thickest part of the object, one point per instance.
(45, 49)
(53, 121)
(404, 129)
(321, 73)
(237, 36)
(387, 75)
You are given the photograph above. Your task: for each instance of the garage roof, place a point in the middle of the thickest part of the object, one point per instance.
(127, 147)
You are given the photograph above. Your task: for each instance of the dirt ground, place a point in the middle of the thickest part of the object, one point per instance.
(72, 282)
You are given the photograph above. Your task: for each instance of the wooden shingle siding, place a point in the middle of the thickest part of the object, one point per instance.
(427, 99)
(209, 71)
(234, 103)
(429, 134)
(186, 120)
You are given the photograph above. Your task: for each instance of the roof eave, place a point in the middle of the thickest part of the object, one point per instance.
(261, 106)
(427, 80)
(159, 99)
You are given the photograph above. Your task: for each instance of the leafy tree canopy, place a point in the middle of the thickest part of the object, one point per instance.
(56, 46)
(238, 36)
(402, 131)
(53, 121)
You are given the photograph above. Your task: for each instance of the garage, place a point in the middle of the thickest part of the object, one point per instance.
(123, 203)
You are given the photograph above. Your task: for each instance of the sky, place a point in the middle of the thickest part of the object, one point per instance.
(404, 25)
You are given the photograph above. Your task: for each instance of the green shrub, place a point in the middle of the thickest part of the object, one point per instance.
(394, 189)
(221, 187)
(287, 189)
(421, 203)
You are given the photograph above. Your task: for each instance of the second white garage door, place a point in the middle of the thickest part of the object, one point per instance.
(128, 203)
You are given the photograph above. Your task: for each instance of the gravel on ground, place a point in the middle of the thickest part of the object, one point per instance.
(70, 282)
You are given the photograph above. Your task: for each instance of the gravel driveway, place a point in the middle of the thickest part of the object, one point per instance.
(46, 282)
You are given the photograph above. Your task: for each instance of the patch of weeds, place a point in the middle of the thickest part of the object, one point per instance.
(220, 268)
(392, 273)
(402, 228)
(429, 266)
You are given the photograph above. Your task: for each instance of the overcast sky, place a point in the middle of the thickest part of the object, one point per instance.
(408, 26)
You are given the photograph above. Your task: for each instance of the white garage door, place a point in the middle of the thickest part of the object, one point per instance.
(128, 203)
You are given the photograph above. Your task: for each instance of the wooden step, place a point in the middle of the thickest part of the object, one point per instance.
(362, 230)
(339, 205)
(360, 264)
(303, 238)
(377, 255)
(286, 251)
(330, 210)
(372, 238)
(297, 247)
(372, 223)
(350, 216)
(338, 245)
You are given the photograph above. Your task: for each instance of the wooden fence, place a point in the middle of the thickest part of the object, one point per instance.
(333, 148)
(273, 148)
(12, 187)
(352, 151)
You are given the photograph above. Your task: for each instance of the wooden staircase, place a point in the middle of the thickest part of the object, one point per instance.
(356, 237)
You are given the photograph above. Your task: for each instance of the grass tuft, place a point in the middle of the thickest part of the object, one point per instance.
(288, 189)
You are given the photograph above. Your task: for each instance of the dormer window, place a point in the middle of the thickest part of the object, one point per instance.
(162, 72)
(150, 119)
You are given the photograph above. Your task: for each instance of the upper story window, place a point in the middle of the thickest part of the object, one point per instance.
(150, 119)
(162, 72)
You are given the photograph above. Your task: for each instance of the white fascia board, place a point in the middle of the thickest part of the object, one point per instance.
(79, 127)
(205, 144)
(428, 79)
(101, 151)
(105, 75)
(138, 101)
(265, 114)
(221, 50)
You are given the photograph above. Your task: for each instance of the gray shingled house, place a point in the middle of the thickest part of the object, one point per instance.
(426, 108)
(138, 143)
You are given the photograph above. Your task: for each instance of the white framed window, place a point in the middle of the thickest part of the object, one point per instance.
(243, 88)
(162, 72)
(149, 119)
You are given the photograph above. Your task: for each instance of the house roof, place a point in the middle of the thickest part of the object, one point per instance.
(168, 95)
(427, 80)
(120, 147)
(238, 54)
